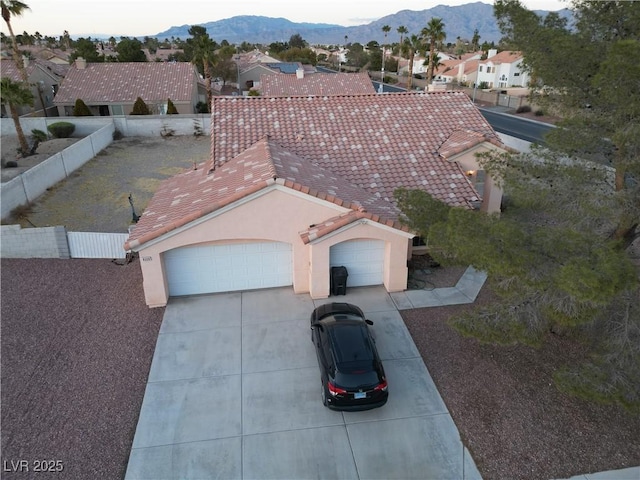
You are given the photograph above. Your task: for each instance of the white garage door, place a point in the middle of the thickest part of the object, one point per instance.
(225, 268)
(364, 260)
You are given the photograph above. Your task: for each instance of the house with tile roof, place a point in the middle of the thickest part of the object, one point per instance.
(250, 76)
(298, 185)
(283, 85)
(112, 88)
(44, 78)
(502, 70)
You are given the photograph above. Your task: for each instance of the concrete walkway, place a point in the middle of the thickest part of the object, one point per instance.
(465, 291)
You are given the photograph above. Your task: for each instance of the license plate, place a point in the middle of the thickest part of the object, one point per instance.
(359, 395)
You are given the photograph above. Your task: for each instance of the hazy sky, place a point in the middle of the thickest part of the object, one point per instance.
(149, 17)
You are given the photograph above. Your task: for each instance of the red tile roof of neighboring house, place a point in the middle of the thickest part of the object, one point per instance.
(283, 85)
(195, 193)
(8, 69)
(507, 56)
(377, 142)
(124, 82)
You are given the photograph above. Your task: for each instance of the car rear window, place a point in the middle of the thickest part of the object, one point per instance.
(353, 381)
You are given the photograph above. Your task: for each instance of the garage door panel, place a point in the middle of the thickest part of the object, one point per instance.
(228, 267)
(364, 260)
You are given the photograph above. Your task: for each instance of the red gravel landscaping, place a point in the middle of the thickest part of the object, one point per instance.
(77, 344)
(510, 415)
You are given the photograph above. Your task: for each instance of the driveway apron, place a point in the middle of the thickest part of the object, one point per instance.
(234, 393)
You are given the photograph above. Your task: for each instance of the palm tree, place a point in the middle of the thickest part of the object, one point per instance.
(386, 29)
(434, 33)
(15, 94)
(402, 30)
(203, 54)
(14, 8)
(413, 44)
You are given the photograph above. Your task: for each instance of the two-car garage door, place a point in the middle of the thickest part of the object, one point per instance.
(228, 267)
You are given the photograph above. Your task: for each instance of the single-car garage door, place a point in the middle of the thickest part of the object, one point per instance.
(228, 267)
(364, 260)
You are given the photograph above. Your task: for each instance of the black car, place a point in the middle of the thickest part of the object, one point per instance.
(350, 368)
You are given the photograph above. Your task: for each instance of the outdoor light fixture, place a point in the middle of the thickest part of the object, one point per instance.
(470, 173)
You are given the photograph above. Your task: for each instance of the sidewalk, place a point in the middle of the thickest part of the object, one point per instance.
(465, 291)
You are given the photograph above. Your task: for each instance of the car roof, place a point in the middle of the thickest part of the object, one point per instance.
(350, 341)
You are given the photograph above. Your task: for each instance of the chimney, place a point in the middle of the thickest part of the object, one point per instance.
(300, 73)
(492, 53)
(81, 63)
(25, 61)
(461, 67)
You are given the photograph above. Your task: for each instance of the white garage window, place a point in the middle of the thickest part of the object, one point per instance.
(228, 267)
(364, 260)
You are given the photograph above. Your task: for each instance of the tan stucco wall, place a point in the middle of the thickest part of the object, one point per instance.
(492, 193)
(277, 215)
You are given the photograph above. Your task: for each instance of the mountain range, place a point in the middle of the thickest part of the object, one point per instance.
(460, 21)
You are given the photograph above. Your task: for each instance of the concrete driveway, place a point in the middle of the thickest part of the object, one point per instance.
(234, 392)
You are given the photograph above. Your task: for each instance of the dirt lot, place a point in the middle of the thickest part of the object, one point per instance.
(95, 197)
(510, 415)
(77, 343)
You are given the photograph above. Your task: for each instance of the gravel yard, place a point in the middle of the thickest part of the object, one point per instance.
(95, 197)
(514, 421)
(77, 343)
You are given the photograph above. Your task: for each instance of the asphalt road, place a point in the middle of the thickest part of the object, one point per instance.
(524, 129)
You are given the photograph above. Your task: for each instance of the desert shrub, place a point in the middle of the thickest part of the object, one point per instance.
(254, 93)
(61, 129)
(171, 108)
(140, 108)
(39, 135)
(80, 109)
(523, 109)
(117, 135)
(201, 107)
(11, 164)
(538, 113)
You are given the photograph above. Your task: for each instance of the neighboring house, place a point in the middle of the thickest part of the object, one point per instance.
(501, 70)
(44, 79)
(461, 71)
(112, 88)
(297, 185)
(250, 76)
(284, 85)
(53, 55)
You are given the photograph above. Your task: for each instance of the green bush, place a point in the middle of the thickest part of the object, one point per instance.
(201, 107)
(80, 109)
(523, 109)
(140, 108)
(61, 129)
(171, 108)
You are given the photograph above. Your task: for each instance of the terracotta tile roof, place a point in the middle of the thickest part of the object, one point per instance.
(282, 85)
(124, 82)
(507, 56)
(195, 193)
(376, 142)
(9, 70)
